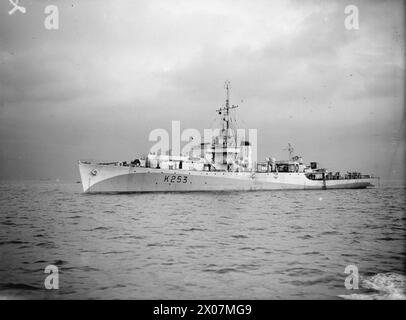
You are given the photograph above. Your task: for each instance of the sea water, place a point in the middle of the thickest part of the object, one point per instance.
(214, 245)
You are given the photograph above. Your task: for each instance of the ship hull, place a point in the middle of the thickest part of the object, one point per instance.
(98, 178)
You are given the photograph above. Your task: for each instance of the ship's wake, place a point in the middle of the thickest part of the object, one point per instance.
(382, 286)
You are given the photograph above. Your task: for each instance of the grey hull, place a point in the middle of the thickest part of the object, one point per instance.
(98, 178)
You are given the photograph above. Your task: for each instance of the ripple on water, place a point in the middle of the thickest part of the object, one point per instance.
(276, 245)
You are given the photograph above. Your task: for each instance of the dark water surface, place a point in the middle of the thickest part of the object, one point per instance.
(255, 245)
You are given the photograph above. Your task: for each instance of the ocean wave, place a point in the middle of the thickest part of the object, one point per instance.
(382, 286)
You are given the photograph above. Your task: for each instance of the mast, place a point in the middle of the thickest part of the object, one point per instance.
(225, 111)
(290, 150)
(227, 117)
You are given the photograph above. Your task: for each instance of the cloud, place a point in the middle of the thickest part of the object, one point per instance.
(116, 70)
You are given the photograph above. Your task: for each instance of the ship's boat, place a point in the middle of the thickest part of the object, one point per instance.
(224, 164)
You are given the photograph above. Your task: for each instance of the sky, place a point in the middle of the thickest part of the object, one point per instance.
(116, 70)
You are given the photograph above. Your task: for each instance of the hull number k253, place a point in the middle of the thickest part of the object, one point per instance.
(175, 179)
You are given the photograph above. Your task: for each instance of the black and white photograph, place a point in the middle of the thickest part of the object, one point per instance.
(229, 151)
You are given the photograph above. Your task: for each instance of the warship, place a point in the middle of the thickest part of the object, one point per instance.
(223, 164)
